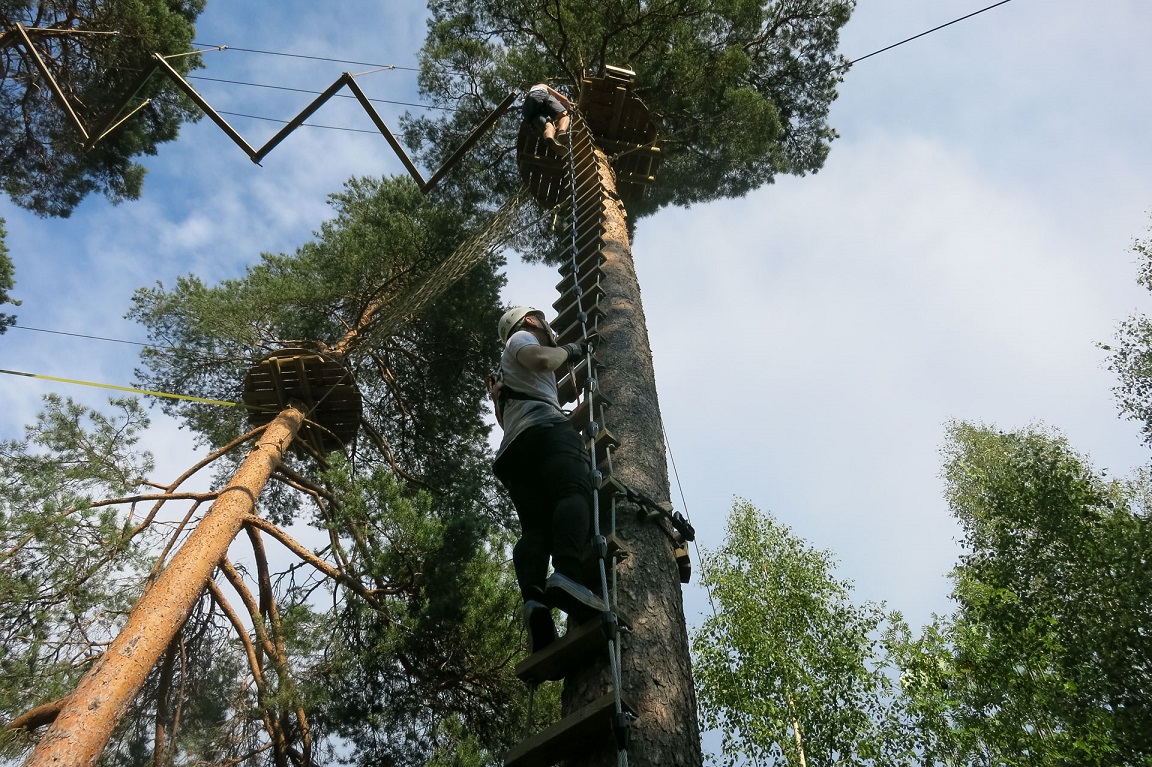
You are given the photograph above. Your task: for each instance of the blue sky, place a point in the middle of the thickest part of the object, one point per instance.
(959, 257)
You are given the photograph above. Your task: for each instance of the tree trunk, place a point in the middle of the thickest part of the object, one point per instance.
(92, 711)
(655, 663)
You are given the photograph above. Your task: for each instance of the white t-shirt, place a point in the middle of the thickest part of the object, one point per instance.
(522, 414)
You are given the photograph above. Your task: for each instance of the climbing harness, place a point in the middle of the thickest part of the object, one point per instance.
(499, 393)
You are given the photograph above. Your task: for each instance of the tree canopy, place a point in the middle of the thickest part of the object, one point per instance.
(1131, 356)
(788, 667)
(67, 566)
(95, 51)
(425, 522)
(1047, 658)
(740, 88)
(369, 614)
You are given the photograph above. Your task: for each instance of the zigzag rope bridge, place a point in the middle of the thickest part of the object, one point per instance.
(21, 36)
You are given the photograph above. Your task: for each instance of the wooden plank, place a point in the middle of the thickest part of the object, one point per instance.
(609, 488)
(585, 264)
(589, 257)
(571, 313)
(590, 288)
(589, 729)
(567, 301)
(567, 653)
(574, 332)
(322, 385)
(593, 234)
(592, 196)
(588, 278)
(617, 551)
(605, 441)
(576, 381)
(579, 415)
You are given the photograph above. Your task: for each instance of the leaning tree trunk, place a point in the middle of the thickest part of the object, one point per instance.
(91, 713)
(656, 666)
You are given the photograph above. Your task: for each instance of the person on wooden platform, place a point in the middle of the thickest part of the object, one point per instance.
(543, 464)
(547, 109)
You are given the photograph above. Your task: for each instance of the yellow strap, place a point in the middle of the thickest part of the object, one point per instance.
(122, 388)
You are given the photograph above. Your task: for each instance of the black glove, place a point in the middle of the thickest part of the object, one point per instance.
(578, 350)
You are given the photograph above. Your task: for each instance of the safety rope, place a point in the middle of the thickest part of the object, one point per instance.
(452, 269)
(580, 137)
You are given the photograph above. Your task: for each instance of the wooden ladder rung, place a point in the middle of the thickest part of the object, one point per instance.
(589, 727)
(589, 279)
(608, 489)
(568, 652)
(575, 331)
(604, 441)
(575, 383)
(579, 416)
(570, 313)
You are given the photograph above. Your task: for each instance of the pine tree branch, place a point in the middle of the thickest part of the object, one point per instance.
(40, 716)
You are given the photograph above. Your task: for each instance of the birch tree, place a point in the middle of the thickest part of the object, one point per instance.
(1047, 658)
(788, 668)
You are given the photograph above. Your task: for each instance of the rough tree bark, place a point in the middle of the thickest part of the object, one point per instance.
(656, 665)
(91, 713)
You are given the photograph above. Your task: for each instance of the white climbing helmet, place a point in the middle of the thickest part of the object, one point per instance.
(511, 319)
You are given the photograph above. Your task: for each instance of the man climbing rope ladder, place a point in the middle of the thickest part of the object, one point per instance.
(543, 464)
(547, 109)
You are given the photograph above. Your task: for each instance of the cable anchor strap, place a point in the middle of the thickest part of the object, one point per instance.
(677, 520)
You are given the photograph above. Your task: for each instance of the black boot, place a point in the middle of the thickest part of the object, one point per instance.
(538, 621)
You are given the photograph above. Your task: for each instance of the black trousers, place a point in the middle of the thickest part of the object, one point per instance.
(548, 475)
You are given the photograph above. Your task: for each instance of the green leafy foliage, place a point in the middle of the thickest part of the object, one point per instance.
(7, 281)
(95, 52)
(422, 383)
(408, 654)
(788, 668)
(1048, 659)
(68, 570)
(428, 669)
(741, 88)
(1131, 357)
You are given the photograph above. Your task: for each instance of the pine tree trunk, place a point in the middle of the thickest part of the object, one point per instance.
(92, 711)
(656, 666)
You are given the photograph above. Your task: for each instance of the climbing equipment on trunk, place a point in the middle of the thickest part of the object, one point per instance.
(569, 178)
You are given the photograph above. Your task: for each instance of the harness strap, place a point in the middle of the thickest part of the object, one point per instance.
(507, 392)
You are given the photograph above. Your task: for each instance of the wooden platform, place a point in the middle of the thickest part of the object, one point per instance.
(624, 129)
(542, 168)
(323, 386)
(616, 121)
